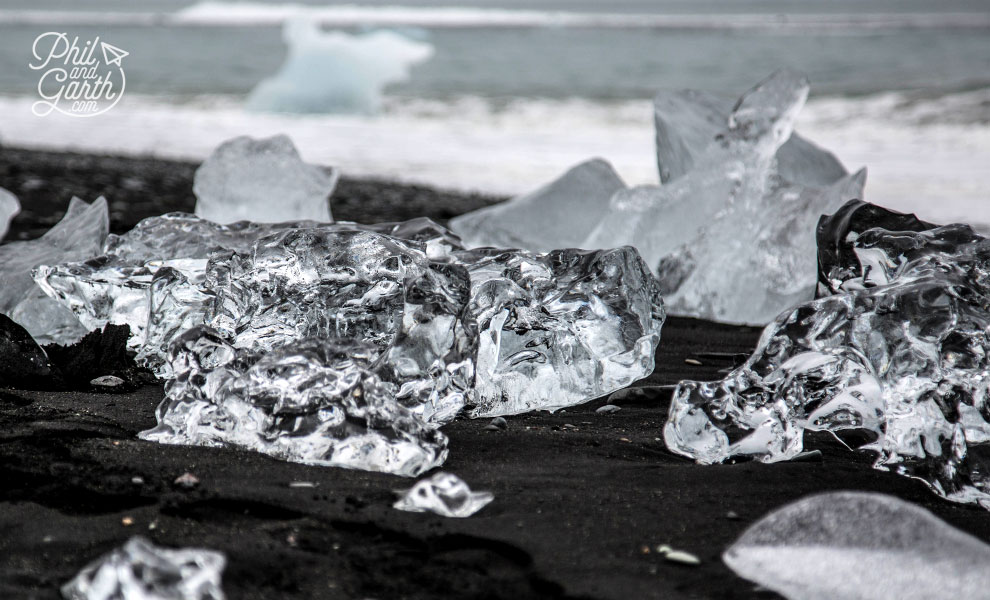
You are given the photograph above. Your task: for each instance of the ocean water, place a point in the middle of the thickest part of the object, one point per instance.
(514, 92)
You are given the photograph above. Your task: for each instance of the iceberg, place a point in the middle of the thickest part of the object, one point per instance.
(558, 215)
(444, 494)
(311, 401)
(853, 545)
(336, 72)
(899, 348)
(78, 236)
(730, 233)
(262, 180)
(139, 570)
(9, 207)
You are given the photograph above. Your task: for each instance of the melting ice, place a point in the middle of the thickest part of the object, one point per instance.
(9, 207)
(444, 494)
(900, 348)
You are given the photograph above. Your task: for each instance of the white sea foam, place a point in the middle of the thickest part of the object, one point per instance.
(242, 14)
(920, 156)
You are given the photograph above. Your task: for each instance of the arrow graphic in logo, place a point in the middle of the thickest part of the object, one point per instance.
(113, 51)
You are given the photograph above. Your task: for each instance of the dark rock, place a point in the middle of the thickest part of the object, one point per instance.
(22, 362)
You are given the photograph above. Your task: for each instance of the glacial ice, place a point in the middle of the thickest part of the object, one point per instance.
(9, 207)
(729, 234)
(262, 180)
(139, 570)
(561, 328)
(78, 236)
(555, 329)
(900, 350)
(444, 494)
(855, 545)
(558, 215)
(336, 72)
(319, 402)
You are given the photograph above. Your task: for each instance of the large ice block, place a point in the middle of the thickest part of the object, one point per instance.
(139, 570)
(78, 236)
(558, 215)
(262, 180)
(561, 328)
(854, 545)
(730, 236)
(901, 350)
(312, 401)
(9, 207)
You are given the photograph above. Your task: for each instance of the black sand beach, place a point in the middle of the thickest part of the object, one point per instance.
(581, 500)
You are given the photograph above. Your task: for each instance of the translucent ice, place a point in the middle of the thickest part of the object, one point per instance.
(730, 235)
(337, 72)
(311, 401)
(263, 181)
(9, 207)
(79, 235)
(561, 328)
(558, 215)
(445, 494)
(901, 350)
(854, 545)
(139, 570)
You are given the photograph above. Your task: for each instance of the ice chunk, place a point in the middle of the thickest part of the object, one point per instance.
(732, 238)
(561, 328)
(9, 207)
(444, 494)
(558, 215)
(311, 401)
(336, 72)
(262, 180)
(690, 123)
(139, 570)
(901, 351)
(854, 545)
(79, 235)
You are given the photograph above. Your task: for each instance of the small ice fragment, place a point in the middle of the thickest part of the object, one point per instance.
(312, 401)
(302, 484)
(678, 556)
(607, 409)
(9, 207)
(558, 215)
(139, 570)
(445, 494)
(261, 180)
(854, 545)
(78, 236)
(187, 481)
(107, 381)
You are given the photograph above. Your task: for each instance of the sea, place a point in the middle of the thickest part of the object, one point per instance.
(502, 96)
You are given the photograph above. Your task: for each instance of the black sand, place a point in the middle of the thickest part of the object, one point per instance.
(581, 500)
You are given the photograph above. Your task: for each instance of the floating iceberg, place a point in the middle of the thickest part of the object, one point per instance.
(730, 235)
(9, 207)
(78, 236)
(263, 181)
(854, 545)
(561, 328)
(311, 401)
(558, 215)
(139, 570)
(336, 72)
(444, 494)
(901, 350)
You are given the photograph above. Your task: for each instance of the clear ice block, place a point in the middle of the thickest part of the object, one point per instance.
(9, 207)
(854, 545)
(900, 351)
(444, 494)
(78, 236)
(262, 180)
(558, 215)
(139, 570)
(311, 401)
(729, 235)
